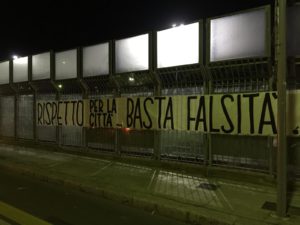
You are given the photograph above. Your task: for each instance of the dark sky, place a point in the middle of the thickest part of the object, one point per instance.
(30, 28)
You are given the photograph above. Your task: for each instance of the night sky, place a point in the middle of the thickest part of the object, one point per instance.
(28, 28)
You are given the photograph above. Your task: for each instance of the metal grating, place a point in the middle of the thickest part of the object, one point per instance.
(71, 135)
(137, 142)
(25, 117)
(182, 76)
(182, 146)
(7, 118)
(46, 133)
(246, 75)
(241, 151)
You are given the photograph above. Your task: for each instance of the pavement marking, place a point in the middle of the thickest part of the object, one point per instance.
(19, 216)
(55, 164)
(85, 157)
(242, 186)
(102, 168)
(225, 199)
(2, 222)
(152, 179)
(131, 166)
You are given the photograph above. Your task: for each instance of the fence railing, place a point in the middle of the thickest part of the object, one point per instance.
(75, 74)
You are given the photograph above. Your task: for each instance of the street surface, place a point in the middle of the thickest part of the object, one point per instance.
(59, 205)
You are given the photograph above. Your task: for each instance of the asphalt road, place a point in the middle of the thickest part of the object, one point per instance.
(59, 205)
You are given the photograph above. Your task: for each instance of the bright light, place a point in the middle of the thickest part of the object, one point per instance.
(15, 57)
(178, 46)
(60, 86)
(21, 61)
(132, 54)
(127, 129)
(174, 25)
(238, 36)
(131, 79)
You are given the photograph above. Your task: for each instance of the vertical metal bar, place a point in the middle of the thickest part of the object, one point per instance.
(34, 98)
(209, 135)
(16, 115)
(11, 68)
(208, 89)
(157, 89)
(84, 90)
(201, 43)
(281, 109)
(112, 68)
(57, 92)
(208, 83)
(118, 131)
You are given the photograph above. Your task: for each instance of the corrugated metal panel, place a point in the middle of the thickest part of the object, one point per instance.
(101, 138)
(7, 116)
(71, 135)
(183, 145)
(46, 133)
(139, 142)
(25, 117)
(241, 151)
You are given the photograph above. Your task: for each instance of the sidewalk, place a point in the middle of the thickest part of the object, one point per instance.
(186, 197)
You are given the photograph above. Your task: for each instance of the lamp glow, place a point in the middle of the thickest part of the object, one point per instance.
(132, 54)
(178, 46)
(21, 61)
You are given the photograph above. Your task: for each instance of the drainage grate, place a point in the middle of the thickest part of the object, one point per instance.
(269, 206)
(208, 186)
(272, 207)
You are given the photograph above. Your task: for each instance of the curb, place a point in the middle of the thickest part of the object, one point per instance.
(153, 207)
(246, 174)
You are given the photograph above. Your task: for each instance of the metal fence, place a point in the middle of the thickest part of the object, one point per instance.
(7, 119)
(18, 100)
(248, 152)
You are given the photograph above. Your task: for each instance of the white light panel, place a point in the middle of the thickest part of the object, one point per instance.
(4, 72)
(20, 69)
(96, 60)
(293, 30)
(238, 36)
(66, 65)
(41, 66)
(132, 54)
(178, 46)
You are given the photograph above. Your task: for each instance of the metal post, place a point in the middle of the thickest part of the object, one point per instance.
(157, 133)
(16, 97)
(208, 89)
(281, 109)
(32, 86)
(117, 93)
(157, 90)
(85, 92)
(57, 92)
